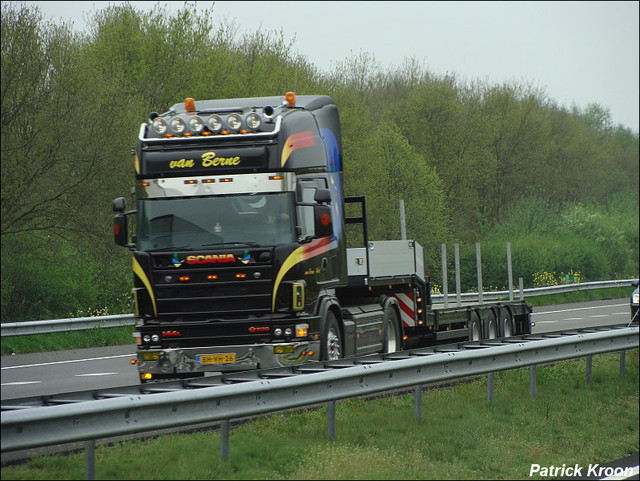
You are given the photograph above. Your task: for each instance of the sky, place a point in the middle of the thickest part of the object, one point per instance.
(576, 52)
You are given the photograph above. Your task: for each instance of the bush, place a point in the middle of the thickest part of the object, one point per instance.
(530, 254)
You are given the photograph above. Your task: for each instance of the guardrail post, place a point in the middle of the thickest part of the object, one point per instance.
(224, 439)
(521, 287)
(445, 281)
(479, 270)
(90, 458)
(417, 398)
(457, 264)
(331, 420)
(622, 362)
(509, 271)
(589, 363)
(490, 387)
(532, 381)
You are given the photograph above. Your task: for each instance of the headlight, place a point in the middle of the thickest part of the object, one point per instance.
(635, 298)
(214, 123)
(253, 121)
(196, 124)
(155, 338)
(178, 125)
(146, 338)
(234, 121)
(159, 125)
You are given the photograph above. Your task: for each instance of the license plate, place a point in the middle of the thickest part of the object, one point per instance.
(283, 349)
(216, 358)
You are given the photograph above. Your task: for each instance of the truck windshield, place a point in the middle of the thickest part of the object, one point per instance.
(196, 222)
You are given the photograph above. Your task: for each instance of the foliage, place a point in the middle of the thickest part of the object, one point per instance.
(472, 161)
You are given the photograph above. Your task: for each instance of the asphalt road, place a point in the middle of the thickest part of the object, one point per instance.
(98, 368)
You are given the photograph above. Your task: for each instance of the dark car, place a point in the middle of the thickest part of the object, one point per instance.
(634, 304)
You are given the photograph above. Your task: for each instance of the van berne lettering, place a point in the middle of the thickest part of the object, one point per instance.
(209, 159)
(181, 164)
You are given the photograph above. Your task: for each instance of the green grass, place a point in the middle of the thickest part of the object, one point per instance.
(460, 435)
(580, 296)
(114, 336)
(60, 341)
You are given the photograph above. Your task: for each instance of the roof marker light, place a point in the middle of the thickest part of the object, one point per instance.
(290, 97)
(190, 105)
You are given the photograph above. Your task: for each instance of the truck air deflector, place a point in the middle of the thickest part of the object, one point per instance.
(137, 269)
(313, 249)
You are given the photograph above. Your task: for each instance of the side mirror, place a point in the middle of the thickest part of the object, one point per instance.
(120, 231)
(119, 205)
(322, 196)
(323, 220)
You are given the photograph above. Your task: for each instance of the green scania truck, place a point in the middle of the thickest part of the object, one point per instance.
(240, 257)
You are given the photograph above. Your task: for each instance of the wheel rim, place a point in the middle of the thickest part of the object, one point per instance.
(475, 332)
(333, 345)
(507, 328)
(392, 340)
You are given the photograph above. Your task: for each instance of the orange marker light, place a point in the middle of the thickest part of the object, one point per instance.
(290, 97)
(190, 105)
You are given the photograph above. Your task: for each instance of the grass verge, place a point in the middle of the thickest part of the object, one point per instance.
(460, 435)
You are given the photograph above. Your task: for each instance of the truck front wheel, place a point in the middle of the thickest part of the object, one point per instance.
(331, 344)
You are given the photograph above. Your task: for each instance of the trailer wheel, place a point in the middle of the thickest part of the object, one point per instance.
(492, 326)
(506, 322)
(475, 327)
(391, 341)
(331, 344)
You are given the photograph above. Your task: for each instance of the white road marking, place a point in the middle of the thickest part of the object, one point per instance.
(97, 374)
(68, 362)
(577, 309)
(20, 383)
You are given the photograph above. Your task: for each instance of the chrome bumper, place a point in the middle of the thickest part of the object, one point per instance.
(252, 356)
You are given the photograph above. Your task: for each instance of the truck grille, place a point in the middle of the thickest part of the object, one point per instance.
(213, 291)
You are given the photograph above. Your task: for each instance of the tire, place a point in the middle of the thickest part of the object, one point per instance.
(506, 322)
(391, 341)
(331, 339)
(492, 326)
(475, 327)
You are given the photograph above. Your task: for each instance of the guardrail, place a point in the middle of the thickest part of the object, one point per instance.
(81, 323)
(26, 427)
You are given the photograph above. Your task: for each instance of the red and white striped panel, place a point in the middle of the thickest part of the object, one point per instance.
(407, 308)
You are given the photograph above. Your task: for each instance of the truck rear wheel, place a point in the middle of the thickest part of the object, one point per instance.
(475, 327)
(391, 341)
(331, 342)
(492, 326)
(506, 322)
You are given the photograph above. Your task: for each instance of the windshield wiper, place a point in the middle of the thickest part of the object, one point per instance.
(250, 244)
(170, 248)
